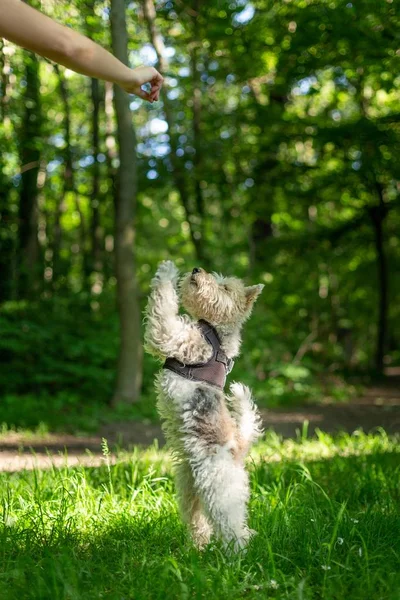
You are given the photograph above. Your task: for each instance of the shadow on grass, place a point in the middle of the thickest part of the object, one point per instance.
(327, 528)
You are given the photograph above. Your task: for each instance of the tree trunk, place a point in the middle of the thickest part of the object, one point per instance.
(96, 233)
(196, 119)
(6, 239)
(260, 232)
(177, 168)
(378, 214)
(30, 146)
(68, 186)
(3, 79)
(129, 370)
(68, 182)
(7, 254)
(111, 153)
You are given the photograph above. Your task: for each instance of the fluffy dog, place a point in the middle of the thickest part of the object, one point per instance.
(208, 432)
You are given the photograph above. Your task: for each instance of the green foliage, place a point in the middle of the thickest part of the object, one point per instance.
(58, 358)
(58, 365)
(57, 346)
(291, 177)
(326, 512)
(67, 412)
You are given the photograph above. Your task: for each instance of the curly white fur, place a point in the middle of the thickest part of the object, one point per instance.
(208, 433)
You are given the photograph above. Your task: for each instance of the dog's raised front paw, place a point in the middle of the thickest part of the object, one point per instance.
(166, 271)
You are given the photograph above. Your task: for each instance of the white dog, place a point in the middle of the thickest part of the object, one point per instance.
(209, 433)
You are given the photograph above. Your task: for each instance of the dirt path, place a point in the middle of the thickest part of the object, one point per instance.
(379, 407)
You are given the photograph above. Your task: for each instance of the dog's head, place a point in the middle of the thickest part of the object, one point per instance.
(216, 299)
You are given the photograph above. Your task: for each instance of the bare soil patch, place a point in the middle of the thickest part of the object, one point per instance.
(378, 407)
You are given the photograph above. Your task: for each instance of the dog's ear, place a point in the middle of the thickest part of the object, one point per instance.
(252, 293)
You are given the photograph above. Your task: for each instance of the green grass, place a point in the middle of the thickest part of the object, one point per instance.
(327, 512)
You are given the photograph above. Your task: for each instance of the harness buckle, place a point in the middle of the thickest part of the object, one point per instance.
(229, 365)
(227, 362)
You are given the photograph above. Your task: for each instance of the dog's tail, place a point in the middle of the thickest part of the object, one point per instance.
(245, 413)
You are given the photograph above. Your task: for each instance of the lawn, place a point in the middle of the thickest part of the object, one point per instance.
(327, 512)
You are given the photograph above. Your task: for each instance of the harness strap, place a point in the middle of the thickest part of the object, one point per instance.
(213, 371)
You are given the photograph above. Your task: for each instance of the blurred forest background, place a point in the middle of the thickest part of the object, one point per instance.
(273, 155)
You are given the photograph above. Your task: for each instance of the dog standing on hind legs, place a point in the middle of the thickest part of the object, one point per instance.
(208, 432)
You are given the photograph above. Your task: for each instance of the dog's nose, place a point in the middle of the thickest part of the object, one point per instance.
(195, 270)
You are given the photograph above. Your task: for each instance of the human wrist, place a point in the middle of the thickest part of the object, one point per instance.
(124, 76)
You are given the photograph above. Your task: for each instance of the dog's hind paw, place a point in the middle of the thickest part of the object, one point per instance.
(240, 543)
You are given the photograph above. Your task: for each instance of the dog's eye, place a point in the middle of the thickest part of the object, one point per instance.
(226, 288)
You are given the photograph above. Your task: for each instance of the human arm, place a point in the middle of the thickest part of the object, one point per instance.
(33, 30)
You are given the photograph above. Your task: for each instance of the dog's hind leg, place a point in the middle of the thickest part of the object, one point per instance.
(190, 505)
(217, 467)
(224, 488)
(245, 414)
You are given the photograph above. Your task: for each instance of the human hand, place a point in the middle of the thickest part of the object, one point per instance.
(140, 76)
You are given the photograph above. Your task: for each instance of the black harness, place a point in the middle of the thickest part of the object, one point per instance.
(214, 371)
